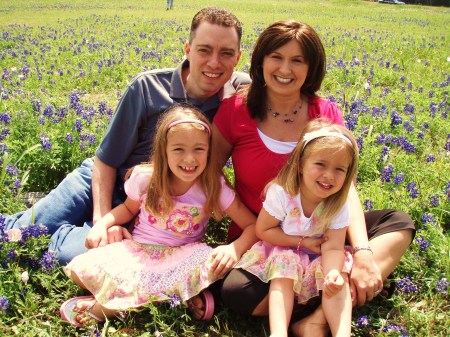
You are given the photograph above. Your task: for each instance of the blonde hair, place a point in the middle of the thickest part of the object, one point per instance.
(290, 176)
(159, 201)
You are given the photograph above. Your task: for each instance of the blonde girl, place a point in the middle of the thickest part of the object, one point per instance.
(171, 198)
(305, 213)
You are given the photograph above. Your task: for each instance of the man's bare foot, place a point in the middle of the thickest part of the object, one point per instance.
(314, 325)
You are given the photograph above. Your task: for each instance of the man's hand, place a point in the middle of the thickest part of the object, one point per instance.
(333, 283)
(225, 257)
(365, 278)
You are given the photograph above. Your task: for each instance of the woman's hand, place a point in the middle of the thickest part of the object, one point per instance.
(225, 257)
(365, 278)
(333, 283)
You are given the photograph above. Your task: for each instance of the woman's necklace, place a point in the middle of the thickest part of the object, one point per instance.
(286, 118)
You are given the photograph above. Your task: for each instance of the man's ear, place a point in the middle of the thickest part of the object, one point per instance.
(187, 49)
(238, 57)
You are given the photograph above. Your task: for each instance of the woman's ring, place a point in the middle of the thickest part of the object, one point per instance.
(377, 292)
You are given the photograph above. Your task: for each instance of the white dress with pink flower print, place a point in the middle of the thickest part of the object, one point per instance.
(267, 261)
(165, 257)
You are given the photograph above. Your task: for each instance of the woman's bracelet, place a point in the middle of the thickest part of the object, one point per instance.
(299, 244)
(357, 249)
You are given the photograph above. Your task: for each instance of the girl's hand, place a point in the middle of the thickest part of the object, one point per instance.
(225, 257)
(333, 283)
(313, 244)
(97, 236)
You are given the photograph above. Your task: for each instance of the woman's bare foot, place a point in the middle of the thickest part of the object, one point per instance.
(314, 325)
(196, 306)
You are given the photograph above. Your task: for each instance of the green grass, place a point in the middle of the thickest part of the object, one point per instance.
(74, 59)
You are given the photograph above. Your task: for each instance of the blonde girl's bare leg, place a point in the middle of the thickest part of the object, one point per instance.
(338, 311)
(281, 303)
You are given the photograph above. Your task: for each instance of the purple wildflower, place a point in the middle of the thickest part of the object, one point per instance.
(362, 322)
(48, 261)
(399, 178)
(12, 170)
(175, 301)
(386, 173)
(4, 303)
(442, 286)
(407, 286)
(368, 205)
(45, 141)
(69, 137)
(396, 119)
(434, 200)
(391, 327)
(412, 189)
(428, 218)
(424, 244)
(431, 158)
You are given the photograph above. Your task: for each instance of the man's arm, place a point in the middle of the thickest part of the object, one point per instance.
(103, 180)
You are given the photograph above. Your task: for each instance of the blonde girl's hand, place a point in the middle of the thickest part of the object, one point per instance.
(333, 283)
(224, 259)
(313, 244)
(97, 236)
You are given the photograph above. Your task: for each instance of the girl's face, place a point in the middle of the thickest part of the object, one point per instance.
(285, 70)
(324, 173)
(187, 155)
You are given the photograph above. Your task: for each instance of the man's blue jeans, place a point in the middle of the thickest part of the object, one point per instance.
(66, 211)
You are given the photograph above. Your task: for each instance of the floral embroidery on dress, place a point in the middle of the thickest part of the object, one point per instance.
(152, 219)
(180, 222)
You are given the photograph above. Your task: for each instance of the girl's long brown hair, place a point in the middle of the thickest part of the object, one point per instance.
(159, 201)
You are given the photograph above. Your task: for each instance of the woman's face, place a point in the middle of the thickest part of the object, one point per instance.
(285, 70)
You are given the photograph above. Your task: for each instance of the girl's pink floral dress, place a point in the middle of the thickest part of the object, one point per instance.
(268, 262)
(165, 257)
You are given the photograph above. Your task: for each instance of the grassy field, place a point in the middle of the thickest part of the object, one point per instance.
(64, 65)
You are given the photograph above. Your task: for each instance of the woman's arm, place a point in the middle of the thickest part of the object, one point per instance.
(365, 275)
(119, 215)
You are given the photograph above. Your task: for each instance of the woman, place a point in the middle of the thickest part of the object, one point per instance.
(259, 128)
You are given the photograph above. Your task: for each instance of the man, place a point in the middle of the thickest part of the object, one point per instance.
(93, 189)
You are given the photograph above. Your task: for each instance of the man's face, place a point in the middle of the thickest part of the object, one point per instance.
(213, 53)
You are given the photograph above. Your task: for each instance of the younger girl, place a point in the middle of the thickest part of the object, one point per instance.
(305, 213)
(173, 196)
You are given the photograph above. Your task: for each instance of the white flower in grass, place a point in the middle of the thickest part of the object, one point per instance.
(25, 277)
(14, 234)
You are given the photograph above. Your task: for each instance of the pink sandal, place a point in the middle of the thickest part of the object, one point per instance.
(69, 315)
(208, 304)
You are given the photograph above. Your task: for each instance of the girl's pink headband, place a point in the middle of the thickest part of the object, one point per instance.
(182, 121)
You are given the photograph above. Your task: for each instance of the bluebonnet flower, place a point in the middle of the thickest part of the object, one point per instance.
(412, 189)
(360, 142)
(407, 286)
(386, 173)
(442, 286)
(12, 170)
(434, 200)
(78, 125)
(175, 301)
(424, 244)
(17, 183)
(41, 120)
(368, 205)
(69, 137)
(391, 327)
(74, 100)
(428, 218)
(420, 135)
(3, 148)
(48, 261)
(431, 158)
(399, 178)
(5, 118)
(396, 119)
(362, 322)
(45, 141)
(11, 255)
(447, 189)
(408, 127)
(37, 105)
(4, 303)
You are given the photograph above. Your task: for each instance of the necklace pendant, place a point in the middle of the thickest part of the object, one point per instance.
(275, 114)
(288, 120)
